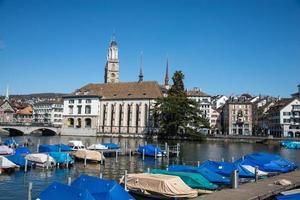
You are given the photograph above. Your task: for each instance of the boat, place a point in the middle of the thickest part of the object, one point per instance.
(150, 150)
(267, 162)
(226, 168)
(89, 155)
(158, 186)
(59, 191)
(22, 151)
(63, 147)
(11, 142)
(54, 148)
(290, 144)
(5, 150)
(76, 145)
(6, 165)
(62, 158)
(19, 160)
(101, 189)
(97, 147)
(193, 180)
(208, 174)
(295, 196)
(111, 145)
(41, 159)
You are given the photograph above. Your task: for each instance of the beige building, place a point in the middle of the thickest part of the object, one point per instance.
(113, 107)
(237, 116)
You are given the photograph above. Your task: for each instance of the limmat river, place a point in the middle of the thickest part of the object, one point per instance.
(15, 185)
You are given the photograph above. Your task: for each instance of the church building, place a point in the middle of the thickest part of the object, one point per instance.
(112, 108)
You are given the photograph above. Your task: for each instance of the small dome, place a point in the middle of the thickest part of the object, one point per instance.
(113, 43)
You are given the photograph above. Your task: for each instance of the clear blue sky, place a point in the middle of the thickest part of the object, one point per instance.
(222, 46)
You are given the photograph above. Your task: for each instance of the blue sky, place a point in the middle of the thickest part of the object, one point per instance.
(222, 46)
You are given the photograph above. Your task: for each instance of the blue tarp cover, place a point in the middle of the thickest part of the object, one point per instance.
(208, 174)
(112, 145)
(268, 162)
(149, 150)
(60, 191)
(226, 168)
(22, 151)
(10, 141)
(289, 197)
(48, 148)
(63, 147)
(102, 189)
(61, 157)
(18, 160)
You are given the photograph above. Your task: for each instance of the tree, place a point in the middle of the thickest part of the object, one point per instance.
(176, 114)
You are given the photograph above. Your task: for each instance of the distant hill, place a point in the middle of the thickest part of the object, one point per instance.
(36, 95)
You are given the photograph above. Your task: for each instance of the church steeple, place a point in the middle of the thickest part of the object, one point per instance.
(111, 74)
(167, 74)
(141, 76)
(7, 93)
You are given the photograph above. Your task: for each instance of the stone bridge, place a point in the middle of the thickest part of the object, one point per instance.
(27, 129)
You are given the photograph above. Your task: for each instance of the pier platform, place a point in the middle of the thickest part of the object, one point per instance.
(262, 189)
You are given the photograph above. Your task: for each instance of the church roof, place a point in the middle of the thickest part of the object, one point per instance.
(123, 90)
(196, 93)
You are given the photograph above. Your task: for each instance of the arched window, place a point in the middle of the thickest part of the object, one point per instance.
(88, 123)
(137, 110)
(70, 122)
(128, 117)
(146, 115)
(112, 117)
(104, 115)
(120, 116)
(78, 123)
(88, 109)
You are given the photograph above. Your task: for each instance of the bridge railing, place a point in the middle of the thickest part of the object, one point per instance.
(27, 124)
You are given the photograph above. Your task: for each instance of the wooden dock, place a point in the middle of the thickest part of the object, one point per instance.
(261, 189)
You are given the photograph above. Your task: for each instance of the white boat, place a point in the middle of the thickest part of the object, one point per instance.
(252, 170)
(97, 147)
(6, 165)
(158, 186)
(76, 145)
(41, 159)
(5, 150)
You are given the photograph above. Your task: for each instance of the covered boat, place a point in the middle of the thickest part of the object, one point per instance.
(101, 189)
(41, 159)
(159, 186)
(22, 151)
(18, 160)
(62, 157)
(60, 191)
(112, 145)
(76, 145)
(150, 150)
(11, 142)
(5, 150)
(97, 147)
(6, 165)
(89, 155)
(226, 168)
(268, 162)
(208, 174)
(43, 148)
(290, 144)
(63, 147)
(288, 197)
(193, 180)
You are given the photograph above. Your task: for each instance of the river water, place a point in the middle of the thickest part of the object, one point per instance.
(15, 186)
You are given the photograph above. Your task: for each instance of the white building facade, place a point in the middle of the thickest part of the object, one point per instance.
(48, 113)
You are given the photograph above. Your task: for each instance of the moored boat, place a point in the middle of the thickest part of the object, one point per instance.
(41, 159)
(101, 189)
(193, 180)
(290, 144)
(89, 155)
(208, 174)
(6, 165)
(22, 151)
(62, 158)
(97, 147)
(11, 142)
(111, 145)
(76, 145)
(150, 150)
(19, 160)
(5, 150)
(158, 186)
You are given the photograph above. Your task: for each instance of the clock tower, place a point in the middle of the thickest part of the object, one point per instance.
(111, 74)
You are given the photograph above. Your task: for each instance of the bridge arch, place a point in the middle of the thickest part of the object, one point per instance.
(45, 131)
(14, 131)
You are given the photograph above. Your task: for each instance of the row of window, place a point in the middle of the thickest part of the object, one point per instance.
(87, 109)
(72, 101)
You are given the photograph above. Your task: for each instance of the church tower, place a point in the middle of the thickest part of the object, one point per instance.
(111, 74)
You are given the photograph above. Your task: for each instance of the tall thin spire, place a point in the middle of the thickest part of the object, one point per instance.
(7, 93)
(141, 76)
(167, 73)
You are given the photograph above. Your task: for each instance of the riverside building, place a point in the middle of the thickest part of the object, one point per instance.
(112, 108)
